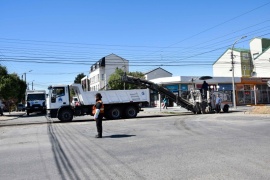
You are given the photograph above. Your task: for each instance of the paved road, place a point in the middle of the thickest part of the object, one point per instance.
(151, 146)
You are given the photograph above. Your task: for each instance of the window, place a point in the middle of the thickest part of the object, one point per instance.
(93, 80)
(245, 56)
(33, 97)
(102, 77)
(247, 87)
(58, 91)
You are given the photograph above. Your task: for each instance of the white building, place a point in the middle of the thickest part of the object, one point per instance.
(85, 82)
(260, 52)
(247, 63)
(101, 71)
(157, 73)
(242, 63)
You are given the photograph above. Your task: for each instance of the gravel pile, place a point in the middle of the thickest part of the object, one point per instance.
(260, 110)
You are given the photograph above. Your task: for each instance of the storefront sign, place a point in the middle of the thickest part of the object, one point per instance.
(253, 80)
(173, 88)
(265, 79)
(184, 87)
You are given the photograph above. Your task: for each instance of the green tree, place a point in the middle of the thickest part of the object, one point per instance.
(12, 88)
(78, 78)
(116, 83)
(3, 71)
(115, 80)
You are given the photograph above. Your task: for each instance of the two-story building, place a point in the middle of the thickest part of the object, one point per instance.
(242, 60)
(260, 52)
(101, 71)
(252, 66)
(157, 73)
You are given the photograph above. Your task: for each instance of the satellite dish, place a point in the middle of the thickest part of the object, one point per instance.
(205, 77)
(253, 73)
(268, 83)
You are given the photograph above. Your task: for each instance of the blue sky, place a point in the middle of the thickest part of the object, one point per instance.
(60, 39)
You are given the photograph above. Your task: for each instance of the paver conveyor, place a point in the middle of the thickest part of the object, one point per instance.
(153, 86)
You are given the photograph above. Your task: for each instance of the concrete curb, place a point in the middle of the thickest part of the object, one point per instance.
(12, 115)
(179, 110)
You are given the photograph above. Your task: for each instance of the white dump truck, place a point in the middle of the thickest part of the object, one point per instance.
(35, 101)
(117, 103)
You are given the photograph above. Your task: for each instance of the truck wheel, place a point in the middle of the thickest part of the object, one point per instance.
(203, 106)
(226, 108)
(197, 109)
(65, 115)
(114, 113)
(130, 112)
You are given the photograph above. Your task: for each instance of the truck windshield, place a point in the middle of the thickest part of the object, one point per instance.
(32, 97)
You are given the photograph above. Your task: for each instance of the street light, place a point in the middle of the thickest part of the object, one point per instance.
(25, 77)
(234, 100)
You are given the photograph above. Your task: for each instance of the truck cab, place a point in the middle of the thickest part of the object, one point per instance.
(35, 101)
(58, 98)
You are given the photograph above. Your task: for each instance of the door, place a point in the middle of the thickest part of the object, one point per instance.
(59, 97)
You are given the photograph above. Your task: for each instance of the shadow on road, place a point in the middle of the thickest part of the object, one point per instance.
(24, 117)
(139, 117)
(119, 136)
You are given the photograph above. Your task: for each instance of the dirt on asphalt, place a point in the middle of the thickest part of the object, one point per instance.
(260, 110)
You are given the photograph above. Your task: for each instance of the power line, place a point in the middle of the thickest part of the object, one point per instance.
(42, 59)
(190, 37)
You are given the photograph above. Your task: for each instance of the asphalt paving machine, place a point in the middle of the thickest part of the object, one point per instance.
(197, 102)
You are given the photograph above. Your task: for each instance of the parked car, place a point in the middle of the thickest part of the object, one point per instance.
(20, 107)
(3, 107)
(1, 111)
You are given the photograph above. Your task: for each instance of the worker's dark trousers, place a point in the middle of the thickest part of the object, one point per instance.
(99, 125)
(218, 108)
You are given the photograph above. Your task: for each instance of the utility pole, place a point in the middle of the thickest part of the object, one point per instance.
(25, 78)
(233, 85)
(33, 84)
(125, 74)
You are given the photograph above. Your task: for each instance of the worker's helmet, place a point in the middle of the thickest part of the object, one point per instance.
(98, 95)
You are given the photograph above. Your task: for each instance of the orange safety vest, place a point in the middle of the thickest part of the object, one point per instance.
(101, 109)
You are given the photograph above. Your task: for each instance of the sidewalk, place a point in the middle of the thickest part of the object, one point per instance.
(178, 109)
(11, 115)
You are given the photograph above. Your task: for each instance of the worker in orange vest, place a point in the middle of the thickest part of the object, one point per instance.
(98, 112)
